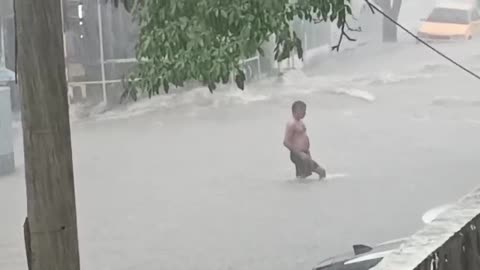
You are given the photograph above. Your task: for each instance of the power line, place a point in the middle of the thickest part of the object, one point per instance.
(375, 8)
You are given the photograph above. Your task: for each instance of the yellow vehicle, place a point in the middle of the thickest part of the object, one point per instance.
(453, 22)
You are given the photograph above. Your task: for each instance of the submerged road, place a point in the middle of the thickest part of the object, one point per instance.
(202, 182)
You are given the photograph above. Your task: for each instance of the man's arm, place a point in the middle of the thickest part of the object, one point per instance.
(288, 139)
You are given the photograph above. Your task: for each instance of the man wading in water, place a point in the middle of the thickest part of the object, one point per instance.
(297, 141)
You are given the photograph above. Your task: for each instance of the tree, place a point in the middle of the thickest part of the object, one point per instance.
(392, 9)
(51, 226)
(205, 40)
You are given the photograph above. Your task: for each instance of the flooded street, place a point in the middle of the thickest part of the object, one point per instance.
(195, 181)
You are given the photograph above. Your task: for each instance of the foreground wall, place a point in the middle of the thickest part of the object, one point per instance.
(460, 252)
(451, 242)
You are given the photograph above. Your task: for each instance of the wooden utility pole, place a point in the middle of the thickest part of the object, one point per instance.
(51, 224)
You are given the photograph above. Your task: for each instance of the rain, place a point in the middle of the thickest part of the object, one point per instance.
(193, 180)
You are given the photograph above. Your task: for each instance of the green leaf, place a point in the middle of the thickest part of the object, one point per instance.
(166, 86)
(300, 15)
(225, 78)
(349, 10)
(308, 17)
(240, 79)
(173, 4)
(298, 47)
(231, 18)
(224, 14)
(261, 51)
(146, 45)
(211, 87)
(183, 22)
(204, 40)
(277, 53)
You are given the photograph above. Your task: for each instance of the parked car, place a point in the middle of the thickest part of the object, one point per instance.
(451, 22)
(364, 257)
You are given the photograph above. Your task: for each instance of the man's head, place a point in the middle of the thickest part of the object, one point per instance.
(299, 109)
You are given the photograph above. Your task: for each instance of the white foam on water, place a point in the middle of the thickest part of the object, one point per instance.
(80, 112)
(398, 240)
(313, 53)
(383, 78)
(333, 176)
(293, 82)
(304, 180)
(118, 115)
(355, 93)
(198, 97)
(432, 214)
(246, 97)
(126, 112)
(294, 78)
(314, 178)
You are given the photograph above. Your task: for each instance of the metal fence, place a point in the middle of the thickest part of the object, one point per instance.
(100, 54)
(101, 50)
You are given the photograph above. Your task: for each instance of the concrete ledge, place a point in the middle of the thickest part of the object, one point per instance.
(441, 239)
(7, 164)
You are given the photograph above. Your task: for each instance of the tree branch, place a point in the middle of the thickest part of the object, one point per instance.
(358, 29)
(342, 35)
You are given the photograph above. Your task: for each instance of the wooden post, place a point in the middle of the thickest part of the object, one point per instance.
(51, 209)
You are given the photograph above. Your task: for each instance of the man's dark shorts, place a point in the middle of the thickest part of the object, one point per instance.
(304, 168)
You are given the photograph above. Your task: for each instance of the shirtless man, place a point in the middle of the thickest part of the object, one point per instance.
(297, 141)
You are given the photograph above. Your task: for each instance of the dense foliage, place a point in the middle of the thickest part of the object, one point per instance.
(204, 40)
